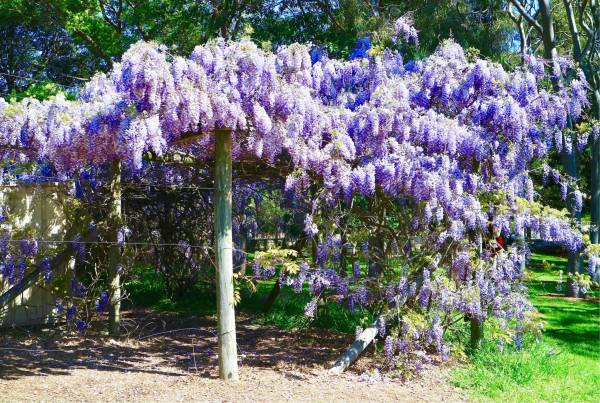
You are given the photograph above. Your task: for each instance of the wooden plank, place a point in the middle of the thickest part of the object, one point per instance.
(359, 345)
(188, 138)
(228, 367)
(59, 260)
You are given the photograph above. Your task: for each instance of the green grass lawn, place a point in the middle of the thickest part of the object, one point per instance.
(563, 367)
(286, 313)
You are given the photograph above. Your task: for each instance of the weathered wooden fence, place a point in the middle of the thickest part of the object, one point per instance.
(36, 207)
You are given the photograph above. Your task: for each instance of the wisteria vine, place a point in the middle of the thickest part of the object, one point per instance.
(442, 145)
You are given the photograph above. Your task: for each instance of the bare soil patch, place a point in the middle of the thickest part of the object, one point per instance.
(170, 358)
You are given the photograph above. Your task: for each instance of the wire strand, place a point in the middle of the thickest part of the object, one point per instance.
(48, 241)
(100, 242)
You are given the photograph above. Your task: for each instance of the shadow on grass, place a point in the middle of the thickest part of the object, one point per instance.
(574, 324)
(286, 313)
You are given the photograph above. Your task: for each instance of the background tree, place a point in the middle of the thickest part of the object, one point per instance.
(35, 51)
(336, 24)
(86, 36)
(571, 27)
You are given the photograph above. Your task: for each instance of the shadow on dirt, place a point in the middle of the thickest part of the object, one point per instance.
(166, 344)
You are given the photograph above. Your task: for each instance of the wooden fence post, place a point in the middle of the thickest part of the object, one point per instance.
(350, 355)
(228, 367)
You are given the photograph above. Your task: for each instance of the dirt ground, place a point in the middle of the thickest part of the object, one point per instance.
(169, 359)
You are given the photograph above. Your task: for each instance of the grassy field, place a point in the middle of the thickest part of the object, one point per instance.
(563, 367)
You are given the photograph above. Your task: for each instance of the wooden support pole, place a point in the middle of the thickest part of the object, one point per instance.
(115, 220)
(228, 367)
(359, 345)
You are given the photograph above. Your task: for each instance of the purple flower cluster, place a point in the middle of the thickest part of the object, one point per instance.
(79, 246)
(380, 323)
(102, 301)
(311, 308)
(71, 312)
(476, 291)
(405, 30)
(77, 288)
(420, 133)
(29, 247)
(81, 326)
(310, 228)
(46, 270)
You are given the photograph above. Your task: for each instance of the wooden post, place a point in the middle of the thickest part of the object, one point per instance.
(359, 345)
(114, 252)
(228, 368)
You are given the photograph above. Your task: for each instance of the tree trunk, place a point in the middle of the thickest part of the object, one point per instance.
(569, 159)
(576, 43)
(377, 244)
(344, 254)
(595, 180)
(343, 268)
(114, 253)
(523, 40)
(550, 52)
(299, 245)
(476, 333)
(228, 367)
(376, 255)
(272, 297)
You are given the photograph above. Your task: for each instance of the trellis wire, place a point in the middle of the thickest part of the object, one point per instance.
(111, 243)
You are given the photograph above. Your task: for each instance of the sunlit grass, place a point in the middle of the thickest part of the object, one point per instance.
(563, 367)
